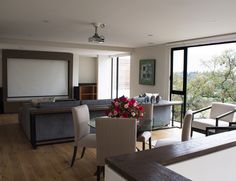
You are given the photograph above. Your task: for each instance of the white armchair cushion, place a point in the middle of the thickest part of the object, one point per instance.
(203, 123)
(167, 141)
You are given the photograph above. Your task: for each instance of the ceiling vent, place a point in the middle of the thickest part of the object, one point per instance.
(97, 38)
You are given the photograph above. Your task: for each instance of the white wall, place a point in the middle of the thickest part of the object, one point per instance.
(87, 69)
(161, 54)
(104, 77)
(86, 76)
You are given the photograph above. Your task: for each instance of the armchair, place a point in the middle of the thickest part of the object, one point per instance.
(221, 114)
(219, 129)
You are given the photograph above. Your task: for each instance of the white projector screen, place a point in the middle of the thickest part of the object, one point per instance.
(36, 77)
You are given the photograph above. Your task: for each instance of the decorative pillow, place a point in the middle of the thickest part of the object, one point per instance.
(36, 101)
(148, 94)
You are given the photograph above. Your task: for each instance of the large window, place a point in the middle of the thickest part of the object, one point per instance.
(203, 74)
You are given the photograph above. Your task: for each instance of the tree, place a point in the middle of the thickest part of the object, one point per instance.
(217, 83)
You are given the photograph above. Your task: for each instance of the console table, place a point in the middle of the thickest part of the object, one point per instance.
(162, 113)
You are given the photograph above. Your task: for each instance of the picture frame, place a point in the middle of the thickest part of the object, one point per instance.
(147, 71)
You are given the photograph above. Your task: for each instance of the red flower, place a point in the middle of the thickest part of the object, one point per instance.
(125, 115)
(123, 99)
(131, 102)
(140, 108)
(123, 107)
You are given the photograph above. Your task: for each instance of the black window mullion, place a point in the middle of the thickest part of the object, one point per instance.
(185, 78)
(171, 70)
(117, 75)
(112, 77)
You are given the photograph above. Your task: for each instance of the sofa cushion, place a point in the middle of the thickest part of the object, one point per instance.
(36, 101)
(97, 102)
(62, 104)
(140, 99)
(203, 123)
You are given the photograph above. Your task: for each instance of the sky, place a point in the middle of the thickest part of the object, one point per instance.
(197, 54)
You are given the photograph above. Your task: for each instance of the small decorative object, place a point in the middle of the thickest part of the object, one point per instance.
(125, 108)
(147, 72)
(157, 98)
(153, 99)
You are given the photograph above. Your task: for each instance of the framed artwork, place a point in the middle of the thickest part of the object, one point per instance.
(147, 71)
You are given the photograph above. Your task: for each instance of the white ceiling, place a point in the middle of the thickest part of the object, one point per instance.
(129, 23)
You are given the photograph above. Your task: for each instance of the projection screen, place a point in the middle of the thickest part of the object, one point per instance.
(36, 77)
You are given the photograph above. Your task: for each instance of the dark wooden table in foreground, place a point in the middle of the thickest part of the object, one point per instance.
(150, 165)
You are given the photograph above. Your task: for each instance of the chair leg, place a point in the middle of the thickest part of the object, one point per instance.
(103, 171)
(150, 143)
(74, 156)
(191, 132)
(99, 169)
(82, 154)
(143, 145)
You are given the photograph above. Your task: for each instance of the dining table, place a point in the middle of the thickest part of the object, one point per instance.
(142, 125)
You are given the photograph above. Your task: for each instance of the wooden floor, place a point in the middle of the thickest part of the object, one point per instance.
(19, 162)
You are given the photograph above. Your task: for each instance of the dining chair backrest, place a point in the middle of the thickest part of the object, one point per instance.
(81, 118)
(186, 129)
(148, 111)
(145, 123)
(115, 136)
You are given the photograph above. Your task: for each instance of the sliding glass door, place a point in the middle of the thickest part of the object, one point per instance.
(203, 74)
(178, 79)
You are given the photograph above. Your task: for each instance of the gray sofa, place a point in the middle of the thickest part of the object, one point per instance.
(52, 121)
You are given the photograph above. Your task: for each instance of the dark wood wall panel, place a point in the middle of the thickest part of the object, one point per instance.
(76, 92)
(1, 100)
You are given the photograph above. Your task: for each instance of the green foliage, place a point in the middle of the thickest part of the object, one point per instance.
(218, 83)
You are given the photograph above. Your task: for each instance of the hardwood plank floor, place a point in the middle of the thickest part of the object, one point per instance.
(19, 162)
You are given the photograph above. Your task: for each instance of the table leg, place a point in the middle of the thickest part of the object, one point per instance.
(173, 111)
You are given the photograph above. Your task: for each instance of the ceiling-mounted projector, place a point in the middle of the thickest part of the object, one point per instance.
(97, 38)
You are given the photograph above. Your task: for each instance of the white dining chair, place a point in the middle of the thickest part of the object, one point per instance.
(83, 137)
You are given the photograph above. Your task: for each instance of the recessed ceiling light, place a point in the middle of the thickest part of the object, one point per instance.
(45, 21)
(213, 21)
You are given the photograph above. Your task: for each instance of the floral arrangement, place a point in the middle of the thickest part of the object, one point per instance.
(125, 108)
